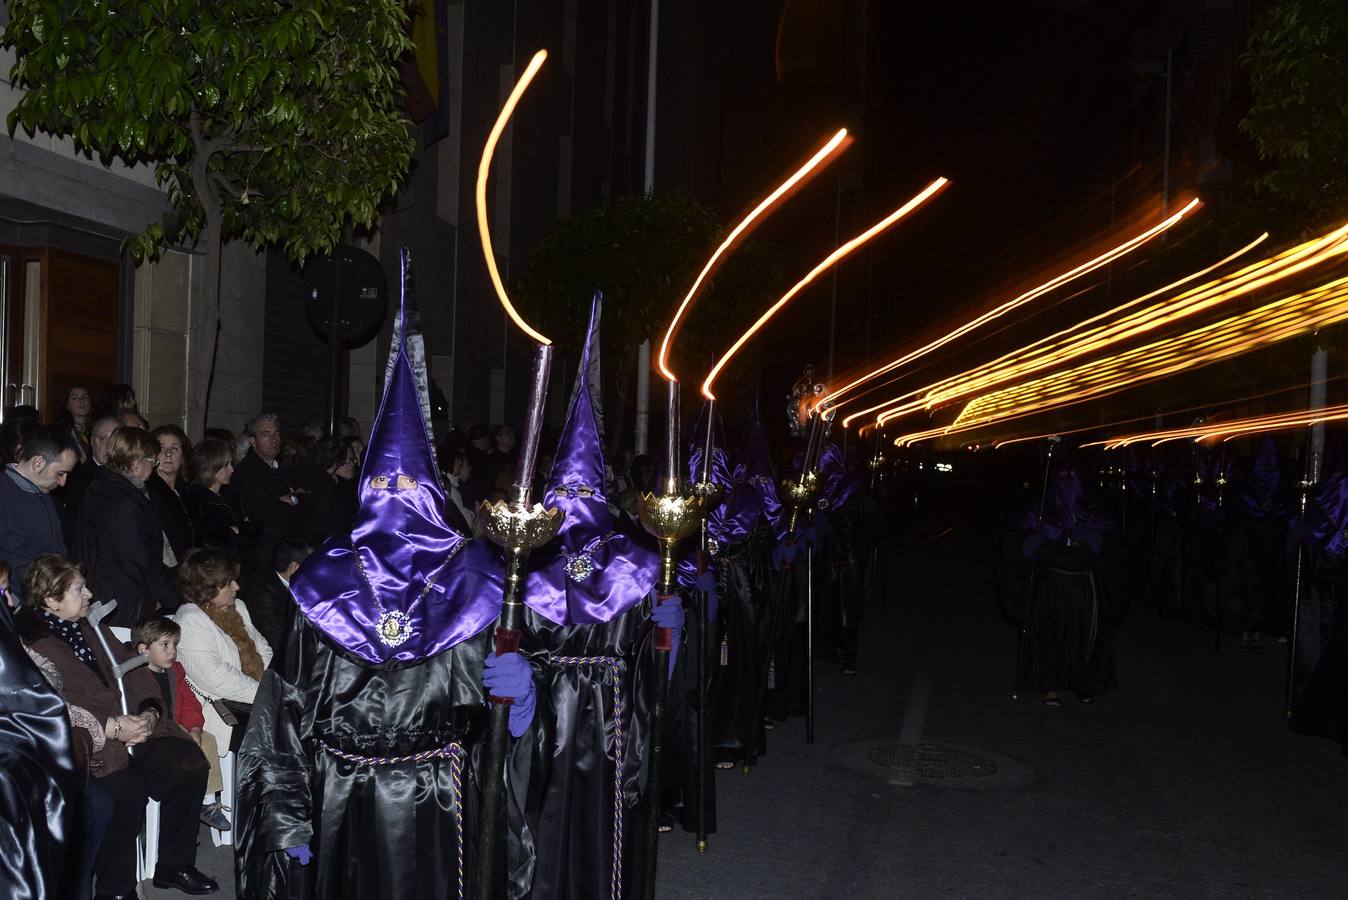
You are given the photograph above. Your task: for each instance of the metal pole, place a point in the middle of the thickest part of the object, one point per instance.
(508, 627)
(833, 300)
(809, 643)
(1165, 158)
(643, 418)
(1314, 458)
(702, 623)
(335, 345)
(1029, 599)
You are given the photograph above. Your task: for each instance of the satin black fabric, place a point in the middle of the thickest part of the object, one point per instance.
(1320, 672)
(598, 566)
(40, 795)
(738, 667)
(1068, 639)
(587, 768)
(378, 832)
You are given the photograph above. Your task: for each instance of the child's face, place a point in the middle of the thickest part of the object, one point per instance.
(162, 652)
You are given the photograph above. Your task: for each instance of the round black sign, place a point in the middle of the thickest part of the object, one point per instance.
(350, 282)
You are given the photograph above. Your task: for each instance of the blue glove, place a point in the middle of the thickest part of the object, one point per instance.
(509, 675)
(783, 556)
(670, 615)
(302, 853)
(706, 583)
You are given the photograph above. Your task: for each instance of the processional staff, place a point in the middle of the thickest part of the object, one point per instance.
(518, 525)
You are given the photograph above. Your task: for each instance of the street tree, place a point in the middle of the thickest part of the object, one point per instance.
(275, 123)
(1298, 54)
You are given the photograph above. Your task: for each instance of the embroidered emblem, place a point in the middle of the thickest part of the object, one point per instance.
(394, 628)
(580, 566)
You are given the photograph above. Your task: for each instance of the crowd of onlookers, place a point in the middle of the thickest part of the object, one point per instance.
(196, 543)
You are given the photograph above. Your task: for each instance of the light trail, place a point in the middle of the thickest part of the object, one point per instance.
(1085, 268)
(1229, 430)
(1082, 340)
(829, 261)
(834, 146)
(483, 173)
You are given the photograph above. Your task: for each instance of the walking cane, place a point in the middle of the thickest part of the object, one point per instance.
(670, 517)
(518, 526)
(97, 613)
(1029, 594)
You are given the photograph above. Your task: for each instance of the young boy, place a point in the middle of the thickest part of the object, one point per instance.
(158, 639)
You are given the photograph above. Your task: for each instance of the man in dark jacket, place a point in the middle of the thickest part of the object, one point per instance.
(271, 606)
(29, 522)
(269, 502)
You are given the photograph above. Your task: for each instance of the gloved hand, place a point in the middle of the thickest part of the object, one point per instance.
(670, 615)
(509, 675)
(784, 555)
(302, 854)
(706, 583)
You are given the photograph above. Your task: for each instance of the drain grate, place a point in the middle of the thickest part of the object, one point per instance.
(931, 761)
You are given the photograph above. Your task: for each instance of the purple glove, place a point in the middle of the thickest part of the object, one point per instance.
(302, 853)
(706, 583)
(670, 615)
(784, 556)
(509, 675)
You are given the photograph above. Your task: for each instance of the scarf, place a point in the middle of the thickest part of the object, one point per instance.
(228, 620)
(70, 632)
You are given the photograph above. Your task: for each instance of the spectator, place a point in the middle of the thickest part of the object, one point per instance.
(272, 606)
(165, 766)
(13, 433)
(311, 431)
(223, 654)
(87, 472)
(329, 480)
(483, 479)
(219, 434)
(158, 639)
(295, 453)
(456, 471)
(348, 427)
(165, 488)
(119, 399)
(217, 519)
(264, 491)
(134, 419)
(77, 418)
(120, 536)
(10, 602)
(30, 524)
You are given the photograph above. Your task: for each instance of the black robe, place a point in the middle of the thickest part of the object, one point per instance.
(1320, 670)
(739, 668)
(586, 804)
(385, 831)
(40, 791)
(1067, 638)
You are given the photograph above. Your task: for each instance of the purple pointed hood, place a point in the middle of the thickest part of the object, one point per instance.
(753, 491)
(722, 529)
(598, 567)
(405, 586)
(1261, 496)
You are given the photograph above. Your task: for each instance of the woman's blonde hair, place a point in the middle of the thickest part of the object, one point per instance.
(127, 445)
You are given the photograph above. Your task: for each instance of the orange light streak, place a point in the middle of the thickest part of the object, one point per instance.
(997, 312)
(834, 146)
(829, 261)
(1228, 430)
(483, 173)
(1250, 330)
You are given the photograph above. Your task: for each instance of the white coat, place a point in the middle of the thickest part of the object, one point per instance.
(211, 661)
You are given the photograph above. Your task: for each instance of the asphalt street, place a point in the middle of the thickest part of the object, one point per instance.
(1183, 782)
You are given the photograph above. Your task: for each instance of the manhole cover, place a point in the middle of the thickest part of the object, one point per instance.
(931, 761)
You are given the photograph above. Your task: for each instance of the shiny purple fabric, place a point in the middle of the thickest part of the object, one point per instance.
(721, 527)
(753, 485)
(402, 540)
(839, 482)
(597, 567)
(1329, 529)
(1260, 496)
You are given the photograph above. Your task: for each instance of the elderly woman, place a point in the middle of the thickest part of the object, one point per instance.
(164, 763)
(120, 536)
(223, 654)
(217, 519)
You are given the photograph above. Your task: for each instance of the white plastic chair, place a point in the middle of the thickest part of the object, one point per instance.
(147, 845)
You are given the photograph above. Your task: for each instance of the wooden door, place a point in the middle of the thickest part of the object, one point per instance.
(79, 329)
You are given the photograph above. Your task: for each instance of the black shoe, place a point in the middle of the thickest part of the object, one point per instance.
(188, 879)
(1085, 696)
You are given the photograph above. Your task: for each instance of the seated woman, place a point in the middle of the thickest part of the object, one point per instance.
(165, 764)
(223, 654)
